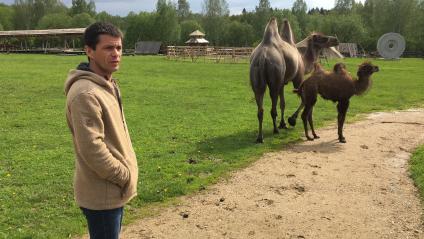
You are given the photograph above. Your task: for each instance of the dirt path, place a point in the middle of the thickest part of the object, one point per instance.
(319, 189)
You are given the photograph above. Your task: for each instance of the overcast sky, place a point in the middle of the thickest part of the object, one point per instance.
(122, 8)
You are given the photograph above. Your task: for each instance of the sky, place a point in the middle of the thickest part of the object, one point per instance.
(123, 7)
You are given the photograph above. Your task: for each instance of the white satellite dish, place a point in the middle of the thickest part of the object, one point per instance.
(391, 45)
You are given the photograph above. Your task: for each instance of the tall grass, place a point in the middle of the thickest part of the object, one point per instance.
(177, 112)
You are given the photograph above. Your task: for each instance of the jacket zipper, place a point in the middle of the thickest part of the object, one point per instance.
(118, 97)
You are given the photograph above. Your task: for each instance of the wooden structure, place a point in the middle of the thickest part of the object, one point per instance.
(147, 47)
(197, 38)
(215, 54)
(9, 40)
(348, 49)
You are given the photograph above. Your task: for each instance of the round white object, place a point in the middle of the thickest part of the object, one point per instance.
(391, 45)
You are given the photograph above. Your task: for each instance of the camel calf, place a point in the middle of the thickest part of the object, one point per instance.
(337, 86)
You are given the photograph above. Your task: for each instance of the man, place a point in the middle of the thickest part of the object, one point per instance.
(106, 166)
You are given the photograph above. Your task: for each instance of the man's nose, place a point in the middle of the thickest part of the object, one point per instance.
(116, 52)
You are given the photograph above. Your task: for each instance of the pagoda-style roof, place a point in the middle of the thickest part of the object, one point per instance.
(197, 33)
(197, 41)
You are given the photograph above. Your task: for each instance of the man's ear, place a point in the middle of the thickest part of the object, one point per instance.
(89, 52)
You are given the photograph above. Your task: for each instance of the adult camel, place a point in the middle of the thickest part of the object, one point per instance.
(275, 62)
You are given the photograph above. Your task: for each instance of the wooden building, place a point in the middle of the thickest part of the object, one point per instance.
(18, 41)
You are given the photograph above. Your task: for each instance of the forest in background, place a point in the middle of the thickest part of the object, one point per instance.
(173, 21)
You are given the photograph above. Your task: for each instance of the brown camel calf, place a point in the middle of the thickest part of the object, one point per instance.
(337, 86)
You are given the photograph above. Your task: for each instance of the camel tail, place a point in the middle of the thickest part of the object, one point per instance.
(264, 68)
(258, 73)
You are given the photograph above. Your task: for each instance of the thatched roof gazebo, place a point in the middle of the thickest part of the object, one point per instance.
(197, 39)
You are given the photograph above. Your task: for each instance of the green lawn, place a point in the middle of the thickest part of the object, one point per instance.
(417, 170)
(175, 111)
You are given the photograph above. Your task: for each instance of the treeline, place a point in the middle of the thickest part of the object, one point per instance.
(172, 21)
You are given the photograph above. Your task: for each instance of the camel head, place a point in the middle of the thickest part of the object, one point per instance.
(367, 69)
(321, 41)
(312, 46)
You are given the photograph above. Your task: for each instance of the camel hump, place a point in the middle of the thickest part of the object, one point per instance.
(271, 31)
(317, 67)
(287, 33)
(340, 68)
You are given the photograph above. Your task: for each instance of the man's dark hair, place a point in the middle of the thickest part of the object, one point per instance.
(92, 33)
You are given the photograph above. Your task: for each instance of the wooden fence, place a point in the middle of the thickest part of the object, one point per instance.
(205, 53)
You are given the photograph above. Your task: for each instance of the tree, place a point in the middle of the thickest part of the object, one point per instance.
(82, 20)
(299, 9)
(55, 21)
(263, 13)
(42, 7)
(215, 8)
(264, 5)
(166, 21)
(115, 20)
(81, 6)
(183, 9)
(349, 28)
(239, 34)
(214, 22)
(140, 27)
(23, 17)
(160, 4)
(6, 17)
(29, 12)
(344, 6)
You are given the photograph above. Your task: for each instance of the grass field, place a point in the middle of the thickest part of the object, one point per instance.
(417, 170)
(175, 111)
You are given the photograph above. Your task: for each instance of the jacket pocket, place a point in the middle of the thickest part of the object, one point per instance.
(126, 187)
(113, 193)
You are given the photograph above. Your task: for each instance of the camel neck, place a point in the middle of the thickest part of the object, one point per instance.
(309, 57)
(362, 84)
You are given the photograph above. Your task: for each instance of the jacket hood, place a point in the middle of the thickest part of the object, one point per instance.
(83, 72)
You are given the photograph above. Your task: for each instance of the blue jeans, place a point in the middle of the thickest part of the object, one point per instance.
(104, 224)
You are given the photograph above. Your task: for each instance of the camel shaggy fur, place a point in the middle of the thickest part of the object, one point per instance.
(337, 86)
(275, 62)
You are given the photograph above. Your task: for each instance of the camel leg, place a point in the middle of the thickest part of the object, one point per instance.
(259, 102)
(292, 119)
(305, 116)
(311, 123)
(282, 108)
(342, 108)
(296, 84)
(274, 99)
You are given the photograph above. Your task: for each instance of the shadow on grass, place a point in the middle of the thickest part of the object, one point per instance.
(244, 142)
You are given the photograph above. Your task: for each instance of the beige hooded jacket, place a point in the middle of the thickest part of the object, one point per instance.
(106, 166)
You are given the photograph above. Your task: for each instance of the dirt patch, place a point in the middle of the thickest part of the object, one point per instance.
(318, 189)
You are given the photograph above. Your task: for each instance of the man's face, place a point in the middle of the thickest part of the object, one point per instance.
(107, 56)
